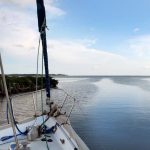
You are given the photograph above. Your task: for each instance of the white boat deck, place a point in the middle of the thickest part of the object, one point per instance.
(60, 140)
(38, 144)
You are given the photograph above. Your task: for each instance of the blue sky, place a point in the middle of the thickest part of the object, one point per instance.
(109, 21)
(94, 37)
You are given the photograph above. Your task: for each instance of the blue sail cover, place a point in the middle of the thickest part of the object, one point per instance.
(42, 25)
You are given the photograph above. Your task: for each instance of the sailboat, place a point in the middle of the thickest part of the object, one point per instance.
(46, 131)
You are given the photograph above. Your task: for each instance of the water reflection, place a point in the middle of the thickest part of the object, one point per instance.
(141, 82)
(116, 115)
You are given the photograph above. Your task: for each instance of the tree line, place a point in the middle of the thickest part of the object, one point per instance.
(21, 84)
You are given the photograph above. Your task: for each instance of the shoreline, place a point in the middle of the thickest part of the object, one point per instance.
(24, 84)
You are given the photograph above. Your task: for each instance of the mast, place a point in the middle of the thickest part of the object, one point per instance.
(42, 29)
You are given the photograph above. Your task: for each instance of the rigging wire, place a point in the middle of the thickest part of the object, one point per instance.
(37, 70)
(42, 105)
(66, 98)
(42, 86)
(15, 122)
(8, 100)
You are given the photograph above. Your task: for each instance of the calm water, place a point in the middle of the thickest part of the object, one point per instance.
(115, 112)
(111, 113)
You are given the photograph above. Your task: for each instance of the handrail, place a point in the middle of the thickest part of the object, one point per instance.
(74, 100)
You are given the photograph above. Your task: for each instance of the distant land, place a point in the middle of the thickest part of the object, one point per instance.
(21, 83)
(91, 76)
(79, 76)
(25, 75)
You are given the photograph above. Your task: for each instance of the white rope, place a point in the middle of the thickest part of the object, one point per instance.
(37, 70)
(34, 104)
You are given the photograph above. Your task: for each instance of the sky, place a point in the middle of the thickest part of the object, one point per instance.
(84, 37)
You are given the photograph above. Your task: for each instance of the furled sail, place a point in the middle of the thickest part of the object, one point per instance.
(42, 29)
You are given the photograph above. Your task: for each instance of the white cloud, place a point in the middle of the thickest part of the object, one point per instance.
(147, 66)
(52, 9)
(66, 57)
(70, 57)
(77, 58)
(49, 5)
(17, 1)
(87, 42)
(19, 41)
(18, 32)
(140, 45)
